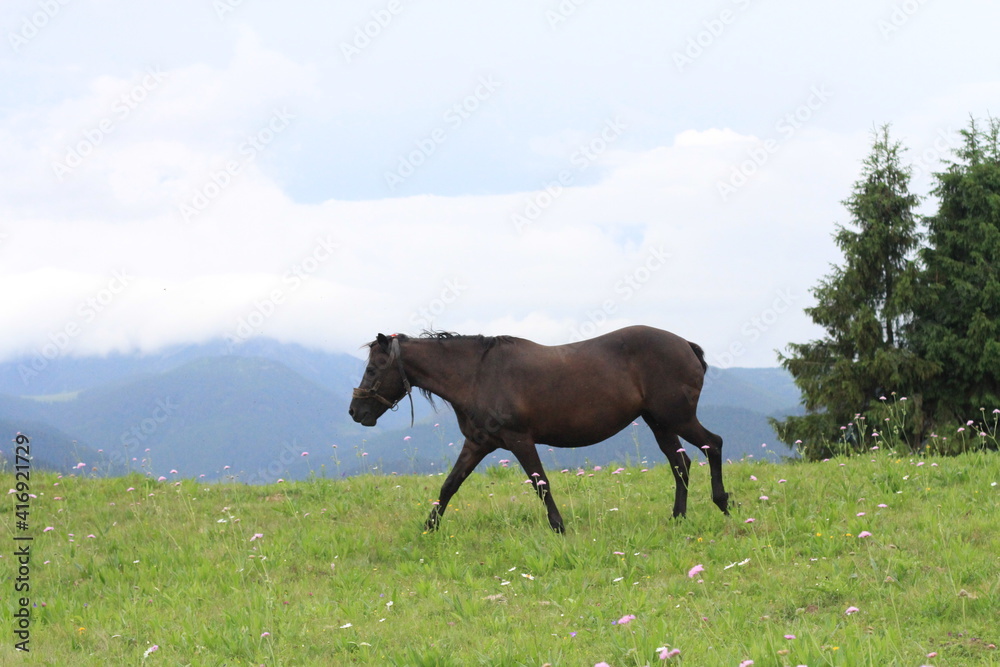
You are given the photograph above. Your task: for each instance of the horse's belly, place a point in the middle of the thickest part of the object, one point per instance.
(581, 430)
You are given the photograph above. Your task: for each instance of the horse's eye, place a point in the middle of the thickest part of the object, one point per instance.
(369, 371)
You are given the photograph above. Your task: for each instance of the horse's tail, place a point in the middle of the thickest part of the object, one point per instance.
(700, 353)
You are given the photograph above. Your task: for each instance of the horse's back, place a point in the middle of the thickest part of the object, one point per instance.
(644, 345)
(580, 393)
(635, 347)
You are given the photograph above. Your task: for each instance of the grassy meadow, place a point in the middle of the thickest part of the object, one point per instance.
(872, 560)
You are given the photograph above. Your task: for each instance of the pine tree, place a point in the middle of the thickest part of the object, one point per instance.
(957, 324)
(863, 305)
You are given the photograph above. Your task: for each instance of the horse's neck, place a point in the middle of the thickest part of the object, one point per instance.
(444, 368)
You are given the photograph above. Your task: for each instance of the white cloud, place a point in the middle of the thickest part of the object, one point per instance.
(710, 137)
(238, 264)
(582, 262)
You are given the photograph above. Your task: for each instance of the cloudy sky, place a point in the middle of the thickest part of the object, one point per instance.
(319, 172)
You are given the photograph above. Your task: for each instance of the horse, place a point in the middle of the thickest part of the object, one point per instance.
(511, 393)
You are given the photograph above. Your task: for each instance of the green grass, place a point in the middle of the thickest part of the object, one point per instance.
(176, 565)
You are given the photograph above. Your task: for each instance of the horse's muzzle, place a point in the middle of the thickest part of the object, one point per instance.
(362, 415)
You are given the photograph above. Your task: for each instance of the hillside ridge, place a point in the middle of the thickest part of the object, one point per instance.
(252, 411)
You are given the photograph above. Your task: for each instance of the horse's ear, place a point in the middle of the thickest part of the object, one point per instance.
(383, 341)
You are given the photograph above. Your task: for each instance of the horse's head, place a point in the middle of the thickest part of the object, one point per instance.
(384, 383)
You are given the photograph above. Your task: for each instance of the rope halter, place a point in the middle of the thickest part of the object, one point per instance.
(372, 392)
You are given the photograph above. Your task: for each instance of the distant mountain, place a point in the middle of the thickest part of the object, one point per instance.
(766, 390)
(241, 412)
(51, 449)
(37, 376)
(252, 411)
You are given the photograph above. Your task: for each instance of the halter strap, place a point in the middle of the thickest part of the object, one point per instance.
(371, 392)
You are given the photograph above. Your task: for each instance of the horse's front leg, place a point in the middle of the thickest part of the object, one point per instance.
(527, 456)
(470, 456)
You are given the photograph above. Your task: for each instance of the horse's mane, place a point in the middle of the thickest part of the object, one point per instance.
(487, 343)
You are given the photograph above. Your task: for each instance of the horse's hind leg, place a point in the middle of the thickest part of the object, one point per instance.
(527, 456)
(470, 456)
(711, 444)
(679, 461)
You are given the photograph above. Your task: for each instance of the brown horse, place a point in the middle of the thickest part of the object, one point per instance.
(511, 393)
